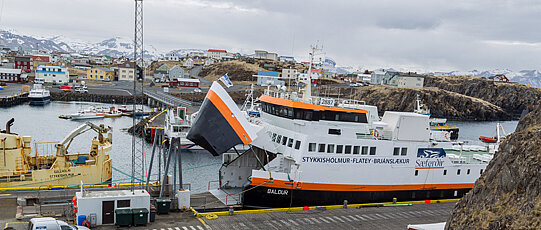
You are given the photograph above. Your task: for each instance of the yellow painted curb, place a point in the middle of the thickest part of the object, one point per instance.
(314, 207)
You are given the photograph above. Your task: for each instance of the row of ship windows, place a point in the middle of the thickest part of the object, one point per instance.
(457, 172)
(286, 141)
(346, 149)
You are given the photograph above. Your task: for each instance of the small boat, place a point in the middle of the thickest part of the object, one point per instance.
(64, 116)
(488, 139)
(39, 95)
(90, 113)
(113, 113)
(125, 109)
(141, 113)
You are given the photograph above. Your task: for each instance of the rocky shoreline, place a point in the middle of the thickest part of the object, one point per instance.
(508, 193)
(113, 99)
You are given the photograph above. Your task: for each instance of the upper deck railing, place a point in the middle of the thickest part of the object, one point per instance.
(316, 100)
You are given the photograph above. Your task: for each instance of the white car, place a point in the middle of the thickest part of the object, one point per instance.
(50, 223)
(197, 90)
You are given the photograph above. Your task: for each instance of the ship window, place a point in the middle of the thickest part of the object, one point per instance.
(416, 172)
(445, 172)
(284, 140)
(348, 149)
(364, 150)
(468, 172)
(312, 147)
(404, 151)
(290, 142)
(458, 172)
(356, 149)
(339, 148)
(335, 131)
(290, 112)
(330, 148)
(308, 115)
(123, 203)
(297, 144)
(396, 151)
(321, 148)
(372, 150)
(278, 139)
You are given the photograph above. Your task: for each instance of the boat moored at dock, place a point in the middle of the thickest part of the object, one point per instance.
(39, 95)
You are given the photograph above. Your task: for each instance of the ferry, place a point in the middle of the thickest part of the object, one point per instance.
(54, 166)
(89, 113)
(308, 150)
(39, 95)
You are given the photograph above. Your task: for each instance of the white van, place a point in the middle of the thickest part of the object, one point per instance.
(39, 81)
(49, 223)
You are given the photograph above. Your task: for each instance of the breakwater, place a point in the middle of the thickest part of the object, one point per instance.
(112, 99)
(13, 100)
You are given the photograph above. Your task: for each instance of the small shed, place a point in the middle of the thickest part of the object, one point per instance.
(102, 204)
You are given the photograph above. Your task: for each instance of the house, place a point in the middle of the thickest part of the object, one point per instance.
(376, 77)
(209, 61)
(161, 72)
(410, 80)
(24, 63)
(177, 72)
(184, 82)
(286, 59)
(262, 54)
(53, 74)
(390, 78)
(188, 63)
(197, 54)
(12, 75)
(78, 65)
(289, 73)
(100, 73)
(40, 60)
(126, 71)
(216, 54)
(198, 61)
(266, 78)
(171, 57)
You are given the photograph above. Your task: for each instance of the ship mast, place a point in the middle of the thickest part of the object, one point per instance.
(307, 94)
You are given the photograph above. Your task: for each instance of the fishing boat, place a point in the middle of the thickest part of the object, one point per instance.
(113, 112)
(307, 150)
(24, 166)
(124, 109)
(39, 95)
(90, 113)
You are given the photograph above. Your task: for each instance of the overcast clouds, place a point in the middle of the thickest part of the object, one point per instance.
(417, 35)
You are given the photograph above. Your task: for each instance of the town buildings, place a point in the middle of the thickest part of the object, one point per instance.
(100, 73)
(126, 71)
(216, 54)
(24, 63)
(12, 75)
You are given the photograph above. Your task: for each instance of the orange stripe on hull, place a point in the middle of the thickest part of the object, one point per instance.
(430, 168)
(302, 105)
(228, 115)
(349, 187)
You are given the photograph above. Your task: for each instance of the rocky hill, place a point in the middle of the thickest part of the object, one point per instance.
(236, 70)
(511, 97)
(442, 103)
(508, 194)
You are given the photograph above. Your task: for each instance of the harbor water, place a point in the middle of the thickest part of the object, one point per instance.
(43, 125)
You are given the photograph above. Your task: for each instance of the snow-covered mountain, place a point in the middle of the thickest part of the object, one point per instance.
(531, 77)
(114, 47)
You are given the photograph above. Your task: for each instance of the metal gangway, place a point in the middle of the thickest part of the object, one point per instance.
(168, 99)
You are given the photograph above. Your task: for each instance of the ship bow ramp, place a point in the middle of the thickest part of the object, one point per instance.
(220, 124)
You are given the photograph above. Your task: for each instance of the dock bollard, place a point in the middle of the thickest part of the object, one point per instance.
(231, 210)
(394, 200)
(345, 203)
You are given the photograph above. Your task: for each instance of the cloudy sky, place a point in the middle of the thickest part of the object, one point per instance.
(431, 35)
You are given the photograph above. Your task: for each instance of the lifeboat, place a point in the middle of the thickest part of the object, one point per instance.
(488, 139)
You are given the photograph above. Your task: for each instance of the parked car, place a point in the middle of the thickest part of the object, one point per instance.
(81, 89)
(197, 90)
(50, 223)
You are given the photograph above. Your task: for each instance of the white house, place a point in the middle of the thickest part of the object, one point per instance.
(286, 59)
(188, 63)
(216, 54)
(53, 73)
(376, 77)
(410, 81)
(209, 61)
(289, 73)
(126, 71)
(262, 54)
(176, 72)
(171, 57)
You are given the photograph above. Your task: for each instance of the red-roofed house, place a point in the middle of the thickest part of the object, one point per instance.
(216, 54)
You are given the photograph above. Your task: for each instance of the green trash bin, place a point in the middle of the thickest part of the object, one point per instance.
(123, 217)
(163, 206)
(140, 216)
